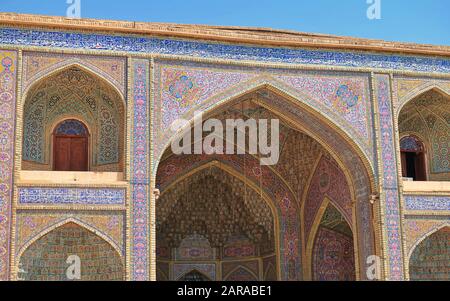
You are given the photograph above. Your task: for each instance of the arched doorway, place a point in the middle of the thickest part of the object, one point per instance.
(413, 158)
(70, 146)
(425, 116)
(47, 258)
(430, 260)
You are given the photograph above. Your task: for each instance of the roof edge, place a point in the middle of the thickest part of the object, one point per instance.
(228, 34)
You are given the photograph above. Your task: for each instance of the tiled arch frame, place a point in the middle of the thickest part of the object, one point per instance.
(47, 73)
(430, 232)
(278, 212)
(55, 226)
(335, 140)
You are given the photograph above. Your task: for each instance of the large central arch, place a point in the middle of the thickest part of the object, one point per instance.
(349, 157)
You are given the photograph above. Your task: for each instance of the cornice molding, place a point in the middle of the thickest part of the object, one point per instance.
(227, 34)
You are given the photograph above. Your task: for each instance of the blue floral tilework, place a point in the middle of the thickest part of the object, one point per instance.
(58, 39)
(421, 202)
(72, 196)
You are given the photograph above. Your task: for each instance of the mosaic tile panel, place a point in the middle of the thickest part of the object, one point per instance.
(71, 196)
(241, 274)
(425, 203)
(92, 41)
(389, 174)
(418, 228)
(140, 171)
(8, 68)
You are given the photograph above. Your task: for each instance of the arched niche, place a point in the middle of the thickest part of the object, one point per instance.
(212, 216)
(47, 258)
(79, 94)
(430, 259)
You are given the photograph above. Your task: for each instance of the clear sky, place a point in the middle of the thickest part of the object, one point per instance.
(420, 21)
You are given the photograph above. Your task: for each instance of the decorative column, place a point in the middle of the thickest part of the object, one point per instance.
(389, 186)
(8, 81)
(140, 171)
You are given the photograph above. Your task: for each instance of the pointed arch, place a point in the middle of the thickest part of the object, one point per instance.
(423, 113)
(268, 270)
(291, 99)
(435, 230)
(82, 226)
(312, 240)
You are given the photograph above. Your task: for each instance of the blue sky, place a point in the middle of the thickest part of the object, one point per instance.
(420, 21)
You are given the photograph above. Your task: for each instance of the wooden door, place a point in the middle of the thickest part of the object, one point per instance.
(70, 153)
